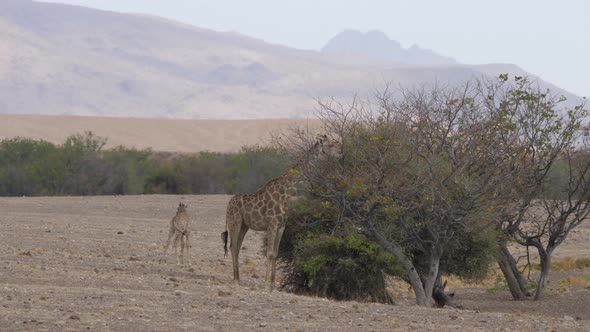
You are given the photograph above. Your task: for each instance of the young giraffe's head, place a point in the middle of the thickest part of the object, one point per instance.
(181, 207)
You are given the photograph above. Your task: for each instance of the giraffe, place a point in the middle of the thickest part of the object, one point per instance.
(180, 230)
(265, 210)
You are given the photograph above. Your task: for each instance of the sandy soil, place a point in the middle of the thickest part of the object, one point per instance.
(95, 263)
(172, 135)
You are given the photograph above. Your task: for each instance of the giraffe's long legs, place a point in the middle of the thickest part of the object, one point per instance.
(235, 251)
(276, 244)
(182, 247)
(170, 236)
(236, 239)
(241, 235)
(187, 246)
(274, 238)
(175, 245)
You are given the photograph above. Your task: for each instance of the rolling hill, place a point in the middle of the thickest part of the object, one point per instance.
(166, 135)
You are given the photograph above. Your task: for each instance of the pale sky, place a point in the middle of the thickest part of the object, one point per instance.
(548, 38)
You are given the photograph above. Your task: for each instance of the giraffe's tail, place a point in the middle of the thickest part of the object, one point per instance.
(224, 238)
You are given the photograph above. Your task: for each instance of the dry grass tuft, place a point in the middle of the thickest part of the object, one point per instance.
(566, 264)
(583, 263)
(572, 281)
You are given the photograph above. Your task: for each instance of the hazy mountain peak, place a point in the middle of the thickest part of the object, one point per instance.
(377, 35)
(376, 44)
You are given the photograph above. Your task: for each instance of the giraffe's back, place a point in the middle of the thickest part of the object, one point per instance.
(255, 210)
(181, 221)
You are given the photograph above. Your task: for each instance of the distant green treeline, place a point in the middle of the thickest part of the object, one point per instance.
(81, 166)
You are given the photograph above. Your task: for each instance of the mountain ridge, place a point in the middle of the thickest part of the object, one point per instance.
(71, 60)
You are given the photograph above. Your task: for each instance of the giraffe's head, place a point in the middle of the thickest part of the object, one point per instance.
(182, 207)
(326, 145)
(322, 146)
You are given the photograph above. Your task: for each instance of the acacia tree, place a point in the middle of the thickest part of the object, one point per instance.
(557, 216)
(415, 172)
(543, 137)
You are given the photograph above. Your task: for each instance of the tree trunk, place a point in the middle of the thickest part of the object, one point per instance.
(432, 276)
(545, 260)
(423, 298)
(514, 279)
(522, 282)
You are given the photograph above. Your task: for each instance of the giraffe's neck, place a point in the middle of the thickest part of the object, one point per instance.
(284, 184)
(303, 161)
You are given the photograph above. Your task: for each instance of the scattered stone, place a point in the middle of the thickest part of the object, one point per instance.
(173, 279)
(222, 293)
(75, 317)
(566, 317)
(179, 292)
(263, 324)
(119, 232)
(134, 258)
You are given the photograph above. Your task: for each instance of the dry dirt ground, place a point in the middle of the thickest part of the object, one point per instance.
(95, 263)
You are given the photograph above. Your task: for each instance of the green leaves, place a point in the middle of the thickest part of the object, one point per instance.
(344, 267)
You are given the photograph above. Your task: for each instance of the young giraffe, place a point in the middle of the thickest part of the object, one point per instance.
(180, 230)
(264, 210)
